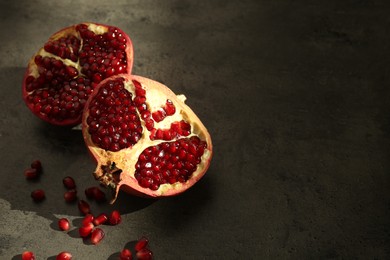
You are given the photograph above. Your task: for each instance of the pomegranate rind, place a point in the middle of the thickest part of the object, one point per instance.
(124, 160)
(67, 31)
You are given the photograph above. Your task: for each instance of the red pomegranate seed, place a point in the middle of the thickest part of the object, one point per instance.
(95, 193)
(87, 219)
(69, 182)
(125, 255)
(37, 165)
(70, 196)
(31, 174)
(38, 195)
(141, 244)
(63, 224)
(115, 218)
(28, 255)
(85, 230)
(100, 220)
(84, 207)
(64, 256)
(97, 235)
(144, 254)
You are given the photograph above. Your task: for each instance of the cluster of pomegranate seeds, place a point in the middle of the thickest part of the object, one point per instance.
(113, 121)
(169, 162)
(34, 171)
(60, 83)
(102, 55)
(176, 130)
(141, 249)
(66, 47)
(95, 193)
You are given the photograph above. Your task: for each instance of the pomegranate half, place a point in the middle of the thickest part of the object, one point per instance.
(62, 74)
(145, 139)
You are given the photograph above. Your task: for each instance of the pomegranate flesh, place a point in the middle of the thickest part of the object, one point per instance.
(145, 139)
(64, 72)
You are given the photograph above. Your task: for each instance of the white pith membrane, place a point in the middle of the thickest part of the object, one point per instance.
(123, 162)
(32, 69)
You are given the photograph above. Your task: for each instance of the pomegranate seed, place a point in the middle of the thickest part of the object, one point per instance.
(37, 165)
(70, 196)
(144, 254)
(100, 220)
(69, 182)
(95, 193)
(28, 255)
(87, 219)
(84, 207)
(125, 255)
(63, 224)
(31, 174)
(97, 235)
(64, 256)
(115, 217)
(141, 244)
(85, 230)
(38, 195)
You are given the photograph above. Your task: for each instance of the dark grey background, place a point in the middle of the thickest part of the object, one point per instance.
(294, 93)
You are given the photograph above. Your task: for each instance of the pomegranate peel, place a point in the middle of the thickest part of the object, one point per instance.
(119, 141)
(61, 75)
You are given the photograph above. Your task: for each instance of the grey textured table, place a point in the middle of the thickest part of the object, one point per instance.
(295, 94)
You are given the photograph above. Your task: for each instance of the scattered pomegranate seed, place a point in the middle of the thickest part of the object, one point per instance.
(28, 255)
(70, 196)
(97, 235)
(100, 220)
(38, 195)
(87, 219)
(115, 217)
(37, 165)
(31, 174)
(95, 193)
(84, 207)
(85, 230)
(63, 224)
(69, 182)
(144, 254)
(125, 255)
(141, 244)
(64, 256)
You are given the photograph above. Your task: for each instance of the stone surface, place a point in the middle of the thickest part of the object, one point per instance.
(295, 94)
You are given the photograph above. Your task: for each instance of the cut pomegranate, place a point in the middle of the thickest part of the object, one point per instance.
(100, 220)
(141, 244)
(115, 218)
(69, 182)
(145, 140)
(28, 255)
(97, 235)
(64, 256)
(63, 224)
(125, 255)
(62, 74)
(144, 254)
(84, 207)
(38, 195)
